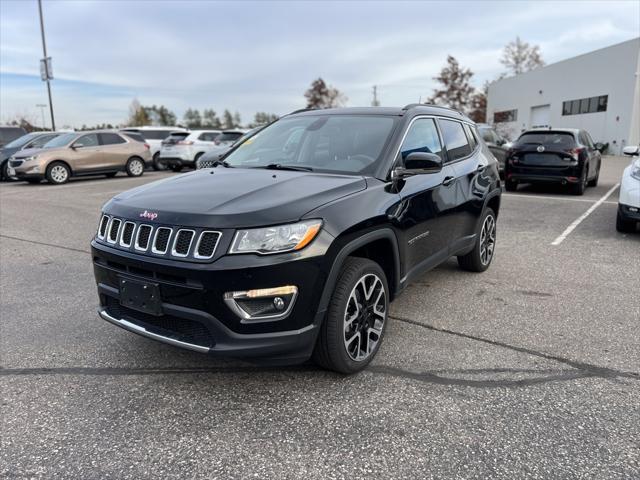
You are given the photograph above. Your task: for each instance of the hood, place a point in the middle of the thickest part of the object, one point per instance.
(234, 197)
(28, 152)
(5, 153)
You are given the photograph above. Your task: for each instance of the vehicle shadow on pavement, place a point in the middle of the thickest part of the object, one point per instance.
(508, 377)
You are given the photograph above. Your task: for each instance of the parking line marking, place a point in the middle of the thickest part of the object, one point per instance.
(546, 197)
(578, 220)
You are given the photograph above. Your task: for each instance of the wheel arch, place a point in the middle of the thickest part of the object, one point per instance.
(376, 246)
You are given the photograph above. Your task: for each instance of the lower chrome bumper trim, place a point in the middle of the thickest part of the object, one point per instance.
(132, 327)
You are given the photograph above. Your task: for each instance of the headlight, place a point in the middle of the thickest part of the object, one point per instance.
(32, 157)
(635, 169)
(278, 239)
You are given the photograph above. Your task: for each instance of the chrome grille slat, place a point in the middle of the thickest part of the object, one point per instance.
(182, 242)
(161, 240)
(102, 228)
(143, 237)
(204, 249)
(127, 234)
(114, 230)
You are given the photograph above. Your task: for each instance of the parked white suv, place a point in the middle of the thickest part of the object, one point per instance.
(154, 137)
(182, 149)
(629, 200)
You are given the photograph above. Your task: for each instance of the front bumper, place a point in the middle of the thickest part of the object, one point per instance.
(194, 313)
(628, 212)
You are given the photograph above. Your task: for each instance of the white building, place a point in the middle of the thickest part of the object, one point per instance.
(598, 91)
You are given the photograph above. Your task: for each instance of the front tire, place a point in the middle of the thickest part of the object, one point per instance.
(352, 331)
(58, 173)
(479, 259)
(623, 225)
(135, 167)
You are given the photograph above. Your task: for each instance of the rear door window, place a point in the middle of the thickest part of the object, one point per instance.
(471, 136)
(111, 139)
(422, 137)
(455, 139)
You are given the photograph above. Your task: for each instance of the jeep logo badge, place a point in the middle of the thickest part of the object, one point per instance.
(540, 149)
(149, 215)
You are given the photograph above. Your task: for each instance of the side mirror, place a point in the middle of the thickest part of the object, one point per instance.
(417, 163)
(599, 147)
(631, 150)
(73, 147)
(422, 162)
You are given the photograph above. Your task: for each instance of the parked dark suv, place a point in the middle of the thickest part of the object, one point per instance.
(295, 245)
(566, 156)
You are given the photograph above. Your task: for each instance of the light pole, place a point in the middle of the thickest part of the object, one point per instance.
(47, 64)
(42, 106)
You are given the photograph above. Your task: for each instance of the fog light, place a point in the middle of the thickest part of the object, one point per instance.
(264, 304)
(278, 302)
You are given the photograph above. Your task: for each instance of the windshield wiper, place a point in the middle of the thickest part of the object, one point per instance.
(280, 166)
(224, 163)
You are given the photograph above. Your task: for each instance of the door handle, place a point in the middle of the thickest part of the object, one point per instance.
(448, 181)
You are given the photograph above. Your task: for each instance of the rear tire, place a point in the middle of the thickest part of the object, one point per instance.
(479, 259)
(135, 167)
(157, 164)
(510, 186)
(581, 186)
(195, 160)
(176, 168)
(594, 182)
(4, 174)
(623, 225)
(352, 331)
(57, 173)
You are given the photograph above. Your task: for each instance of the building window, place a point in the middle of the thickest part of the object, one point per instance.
(505, 116)
(585, 105)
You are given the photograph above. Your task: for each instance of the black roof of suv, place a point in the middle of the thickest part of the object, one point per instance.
(296, 243)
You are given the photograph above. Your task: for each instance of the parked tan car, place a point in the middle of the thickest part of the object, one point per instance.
(81, 153)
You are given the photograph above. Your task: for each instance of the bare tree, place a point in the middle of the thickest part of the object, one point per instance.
(210, 119)
(227, 119)
(321, 95)
(455, 91)
(520, 57)
(138, 115)
(478, 108)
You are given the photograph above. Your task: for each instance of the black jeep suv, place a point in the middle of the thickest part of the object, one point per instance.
(294, 245)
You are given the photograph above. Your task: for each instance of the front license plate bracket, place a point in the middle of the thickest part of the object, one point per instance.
(141, 296)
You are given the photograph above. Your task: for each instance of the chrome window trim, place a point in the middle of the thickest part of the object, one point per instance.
(137, 244)
(195, 250)
(108, 236)
(106, 230)
(155, 238)
(175, 240)
(133, 234)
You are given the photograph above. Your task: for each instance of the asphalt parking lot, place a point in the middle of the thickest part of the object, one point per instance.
(529, 370)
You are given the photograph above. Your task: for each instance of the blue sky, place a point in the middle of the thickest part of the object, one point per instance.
(261, 56)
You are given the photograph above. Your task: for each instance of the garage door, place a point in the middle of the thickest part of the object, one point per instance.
(540, 116)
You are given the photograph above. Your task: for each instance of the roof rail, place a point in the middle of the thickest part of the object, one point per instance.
(301, 110)
(430, 105)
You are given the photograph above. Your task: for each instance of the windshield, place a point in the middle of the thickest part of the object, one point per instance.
(21, 141)
(325, 143)
(61, 141)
